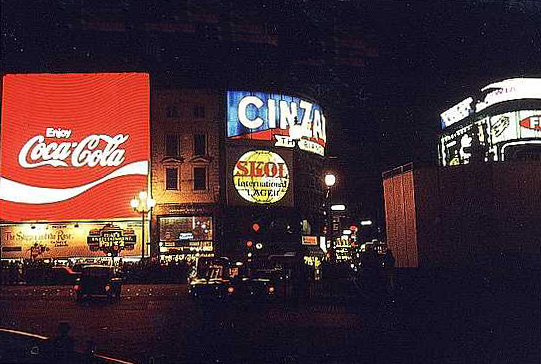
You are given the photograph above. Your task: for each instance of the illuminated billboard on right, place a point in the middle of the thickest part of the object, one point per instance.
(501, 123)
(493, 138)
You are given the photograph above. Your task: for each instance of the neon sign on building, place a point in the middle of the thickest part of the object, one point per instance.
(261, 177)
(272, 117)
(73, 146)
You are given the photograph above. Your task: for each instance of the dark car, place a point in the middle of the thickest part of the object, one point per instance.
(47, 275)
(254, 285)
(98, 281)
(63, 275)
(211, 283)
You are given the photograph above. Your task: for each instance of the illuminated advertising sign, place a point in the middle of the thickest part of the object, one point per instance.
(495, 93)
(285, 121)
(493, 138)
(261, 177)
(111, 236)
(508, 90)
(69, 240)
(458, 112)
(73, 146)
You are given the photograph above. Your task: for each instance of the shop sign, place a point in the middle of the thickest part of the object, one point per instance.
(309, 240)
(272, 117)
(261, 177)
(71, 142)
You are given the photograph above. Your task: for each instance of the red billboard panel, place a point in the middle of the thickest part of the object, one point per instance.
(73, 146)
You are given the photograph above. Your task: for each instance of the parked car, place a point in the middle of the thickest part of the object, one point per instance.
(98, 281)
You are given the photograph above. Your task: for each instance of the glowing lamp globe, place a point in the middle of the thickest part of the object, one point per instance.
(330, 180)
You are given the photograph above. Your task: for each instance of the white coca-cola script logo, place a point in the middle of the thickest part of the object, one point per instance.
(36, 152)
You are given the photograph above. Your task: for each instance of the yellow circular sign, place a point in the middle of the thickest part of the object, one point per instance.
(261, 176)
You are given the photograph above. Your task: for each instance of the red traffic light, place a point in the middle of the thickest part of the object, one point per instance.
(249, 243)
(256, 227)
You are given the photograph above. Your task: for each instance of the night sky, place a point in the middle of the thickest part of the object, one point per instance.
(430, 56)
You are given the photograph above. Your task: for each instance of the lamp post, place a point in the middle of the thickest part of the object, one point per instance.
(330, 180)
(143, 205)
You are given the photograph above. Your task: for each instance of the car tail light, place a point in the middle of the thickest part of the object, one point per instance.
(271, 289)
(107, 288)
(230, 290)
(76, 287)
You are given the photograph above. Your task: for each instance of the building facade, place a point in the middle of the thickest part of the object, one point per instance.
(228, 177)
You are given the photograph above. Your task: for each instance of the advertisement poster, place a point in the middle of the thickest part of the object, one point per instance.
(492, 138)
(42, 241)
(73, 146)
(270, 117)
(259, 177)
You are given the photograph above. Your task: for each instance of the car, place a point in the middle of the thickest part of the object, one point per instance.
(211, 283)
(46, 275)
(254, 285)
(63, 275)
(98, 281)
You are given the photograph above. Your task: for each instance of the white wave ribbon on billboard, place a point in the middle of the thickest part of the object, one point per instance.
(18, 192)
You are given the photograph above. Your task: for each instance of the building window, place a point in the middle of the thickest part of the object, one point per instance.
(171, 178)
(171, 145)
(199, 179)
(172, 111)
(199, 144)
(198, 111)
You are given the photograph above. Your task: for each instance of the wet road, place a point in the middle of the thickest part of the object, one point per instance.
(492, 321)
(162, 322)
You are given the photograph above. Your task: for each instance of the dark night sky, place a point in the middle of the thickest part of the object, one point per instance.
(432, 54)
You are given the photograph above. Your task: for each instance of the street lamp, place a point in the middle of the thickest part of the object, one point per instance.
(143, 205)
(330, 180)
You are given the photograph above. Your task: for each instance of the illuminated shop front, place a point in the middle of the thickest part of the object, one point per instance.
(74, 152)
(504, 124)
(185, 237)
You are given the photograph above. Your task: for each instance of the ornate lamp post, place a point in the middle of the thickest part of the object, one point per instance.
(143, 205)
(330, 180)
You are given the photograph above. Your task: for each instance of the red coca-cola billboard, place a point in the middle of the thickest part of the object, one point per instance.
(73, 146)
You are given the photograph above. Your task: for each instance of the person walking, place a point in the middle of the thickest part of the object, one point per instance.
(61, 346)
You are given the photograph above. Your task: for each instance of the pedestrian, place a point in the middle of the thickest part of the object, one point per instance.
(62, 344)
(371, 271)
(388, 262)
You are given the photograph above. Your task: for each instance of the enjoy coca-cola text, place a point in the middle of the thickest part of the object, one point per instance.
(90, 151)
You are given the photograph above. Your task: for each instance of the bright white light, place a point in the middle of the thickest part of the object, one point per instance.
(259, 246)
(249, 255)
(134, 203)
(330, 180)
(366, 222)
(338, 207)
(143, 195)
(296, 132)
(346, 232)
(151, 202)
